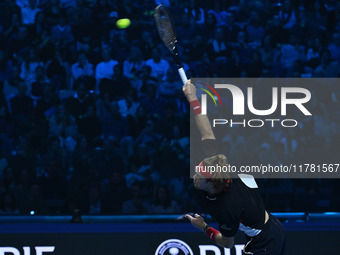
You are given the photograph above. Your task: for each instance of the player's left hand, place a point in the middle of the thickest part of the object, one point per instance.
(197, 221)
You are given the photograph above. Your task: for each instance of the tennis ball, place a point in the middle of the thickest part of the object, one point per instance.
(123, 23)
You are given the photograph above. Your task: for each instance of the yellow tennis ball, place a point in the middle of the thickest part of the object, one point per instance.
(123, 23)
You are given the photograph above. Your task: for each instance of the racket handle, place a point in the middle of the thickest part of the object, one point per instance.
(183, 75)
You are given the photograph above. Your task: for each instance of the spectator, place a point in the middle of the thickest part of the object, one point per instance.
(318, 15)
(5, 65)
(197, 48)
(31, 62)
(29, 12)
(116, 194)
(197, 13)
(47, 103)
(313, 53)
(113, 124)
(128, 105)
(287, 15)
(217, 47)
(121, 84)
(81, 162)
(82, 67)
(126, 151)
(276, 31)
(94, 201)
(133, 65)
(172, 87)
(78, 104)
(138, 121)
(254, 29)
(334, 47)
(37, 85)
(52, 9)
(140, 159)
(209, 25)
(303, 25)
(85, 25)
(135, 205)
(17, 182)
(146, 45)
(163, 203)
(53, 153)
(121, 45)
(179, 140)
(291, 52)
(205, 67)
(62, 123)
(53, 183)
(21, 104)
(327, 68)
(186, 31)
(62, 31)
(9, 9)
(89, 125)
(149, 135)
(255, 66)
(159, 66)
(242, 47)
(142, 79)
(267, 50)
(40, 24)
(6, 130)
(46, 46)
(58, 70)
(151, 102)
(17, 41)
(68, 3)
(128, 8)
(7, 176)
(8, 205)
(105, 68)
(14, 26)
(10, 88)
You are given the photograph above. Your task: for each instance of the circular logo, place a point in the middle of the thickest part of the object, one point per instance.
(173, 247)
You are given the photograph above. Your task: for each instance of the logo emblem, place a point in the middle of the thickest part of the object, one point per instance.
(173, 247)
(214, 91)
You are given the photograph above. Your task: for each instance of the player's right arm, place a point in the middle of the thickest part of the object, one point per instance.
(202, 121)
(227, 242)
(198, 222)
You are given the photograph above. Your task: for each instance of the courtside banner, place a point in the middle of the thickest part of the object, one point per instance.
(149, 239)
(270, 127)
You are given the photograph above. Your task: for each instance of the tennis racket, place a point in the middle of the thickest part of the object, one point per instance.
(167, 33)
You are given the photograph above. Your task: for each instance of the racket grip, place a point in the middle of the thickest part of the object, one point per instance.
(183, 75)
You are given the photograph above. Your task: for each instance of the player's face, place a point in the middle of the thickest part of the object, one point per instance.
(200, 182)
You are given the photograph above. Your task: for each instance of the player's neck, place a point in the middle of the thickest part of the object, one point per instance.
(211, 191)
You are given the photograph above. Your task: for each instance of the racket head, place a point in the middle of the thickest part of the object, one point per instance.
(165, 27)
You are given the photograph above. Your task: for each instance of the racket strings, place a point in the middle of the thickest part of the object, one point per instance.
(165, 28)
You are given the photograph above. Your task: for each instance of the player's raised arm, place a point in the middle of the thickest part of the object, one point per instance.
(202, 121)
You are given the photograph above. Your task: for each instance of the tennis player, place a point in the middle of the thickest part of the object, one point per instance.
(235, 203)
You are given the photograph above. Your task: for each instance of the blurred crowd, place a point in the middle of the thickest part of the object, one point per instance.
(92, 117)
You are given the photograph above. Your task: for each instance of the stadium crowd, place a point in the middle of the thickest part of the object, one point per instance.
(92, 117)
